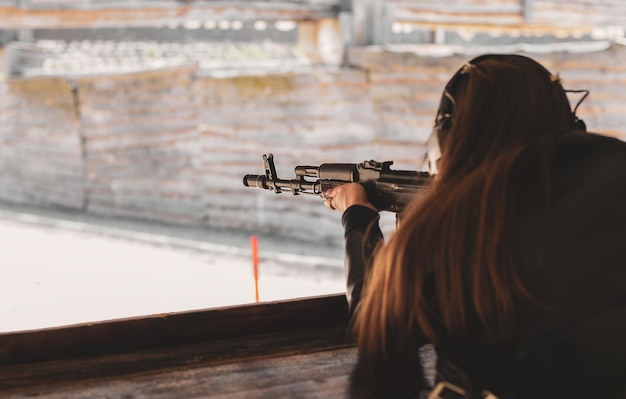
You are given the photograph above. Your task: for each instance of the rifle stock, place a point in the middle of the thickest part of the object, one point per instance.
(387, 189)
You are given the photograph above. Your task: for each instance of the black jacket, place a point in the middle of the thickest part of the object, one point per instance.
(570, 250)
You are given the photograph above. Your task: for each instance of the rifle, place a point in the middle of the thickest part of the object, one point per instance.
(387, 189)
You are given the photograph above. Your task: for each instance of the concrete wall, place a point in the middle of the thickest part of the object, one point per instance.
(173, 145)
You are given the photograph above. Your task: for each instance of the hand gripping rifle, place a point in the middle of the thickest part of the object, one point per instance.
(388, 190)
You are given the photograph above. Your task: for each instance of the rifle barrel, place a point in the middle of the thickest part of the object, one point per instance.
(258, 181)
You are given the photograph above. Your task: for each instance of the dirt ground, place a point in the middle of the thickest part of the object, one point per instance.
(60, 268)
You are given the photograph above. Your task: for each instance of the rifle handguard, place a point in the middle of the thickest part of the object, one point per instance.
(387, 189)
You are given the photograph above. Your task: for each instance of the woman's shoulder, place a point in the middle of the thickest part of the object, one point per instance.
(591, 153)
(591, 141)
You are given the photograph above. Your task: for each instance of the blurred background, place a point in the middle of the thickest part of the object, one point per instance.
(126, 128)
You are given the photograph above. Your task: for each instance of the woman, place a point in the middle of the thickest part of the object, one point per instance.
(513, 265)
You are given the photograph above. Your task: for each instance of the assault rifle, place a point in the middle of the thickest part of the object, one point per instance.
(387, 189)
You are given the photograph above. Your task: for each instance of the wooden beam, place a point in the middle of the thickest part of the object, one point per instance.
(210, 353)
(166, 330)
(517, 29)
(525, 17)
(321, 41)
(69, 356)
(53, 15)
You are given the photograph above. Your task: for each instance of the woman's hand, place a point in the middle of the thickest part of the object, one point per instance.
(344, 196)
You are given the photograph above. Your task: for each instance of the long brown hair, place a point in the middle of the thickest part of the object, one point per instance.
(448, 267)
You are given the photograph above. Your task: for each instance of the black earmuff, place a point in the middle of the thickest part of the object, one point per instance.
(445, 114)
(579, 124)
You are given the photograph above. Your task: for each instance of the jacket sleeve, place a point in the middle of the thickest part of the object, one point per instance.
(362, 237)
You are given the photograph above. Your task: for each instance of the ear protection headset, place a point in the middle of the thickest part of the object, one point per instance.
(579, 123)
(445, 112)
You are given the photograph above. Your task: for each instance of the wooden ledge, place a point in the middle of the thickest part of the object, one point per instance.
(205, 338)
(171, 329)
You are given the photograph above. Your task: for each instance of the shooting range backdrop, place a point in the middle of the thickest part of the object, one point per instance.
(172, 143)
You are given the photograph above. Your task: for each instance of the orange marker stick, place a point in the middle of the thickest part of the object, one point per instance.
(254, 243)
